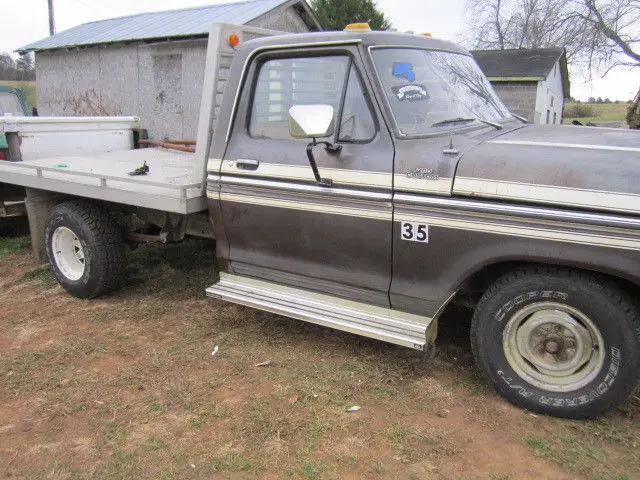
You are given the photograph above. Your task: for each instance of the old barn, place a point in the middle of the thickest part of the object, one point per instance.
(150, 65)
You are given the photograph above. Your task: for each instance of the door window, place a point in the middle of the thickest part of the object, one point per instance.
(357, 123)
(284, 82)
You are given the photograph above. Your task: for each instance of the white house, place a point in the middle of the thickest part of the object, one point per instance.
(533, 83)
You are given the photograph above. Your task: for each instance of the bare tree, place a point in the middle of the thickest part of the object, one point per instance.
(598, 34)
(21, 69)
(614, 28)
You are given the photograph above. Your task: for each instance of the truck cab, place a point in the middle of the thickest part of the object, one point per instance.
(12, 102)
(361, 180)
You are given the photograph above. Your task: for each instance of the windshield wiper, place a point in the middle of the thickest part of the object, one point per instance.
(522, 119)
(466, 119)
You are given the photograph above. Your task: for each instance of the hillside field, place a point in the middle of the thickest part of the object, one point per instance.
(602, 112)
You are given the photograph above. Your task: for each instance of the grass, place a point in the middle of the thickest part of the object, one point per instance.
(10, 245)
(29, 89)
(14, 236)
(125, 386)
(603, 112)
(43, 275)
(581, 454)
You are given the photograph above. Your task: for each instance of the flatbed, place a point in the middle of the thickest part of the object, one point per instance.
(171, 185)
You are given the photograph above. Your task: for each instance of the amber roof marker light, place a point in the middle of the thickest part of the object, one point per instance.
(358, 27)
(233, 39)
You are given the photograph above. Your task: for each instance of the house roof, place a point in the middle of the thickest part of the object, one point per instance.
(523, 64)
(185, 22)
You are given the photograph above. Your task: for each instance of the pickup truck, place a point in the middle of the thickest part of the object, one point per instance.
(12, 102)
(365, 181)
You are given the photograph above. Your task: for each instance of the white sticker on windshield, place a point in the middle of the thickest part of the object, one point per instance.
(411, 93)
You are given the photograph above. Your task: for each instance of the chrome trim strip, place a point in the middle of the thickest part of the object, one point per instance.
(538, 232)
(523, 211)
(249, 59)
(283, 171)
(213, 165)
(331, 209)
(418, 47)
(305, 188)
(564, 145)
(549, 194)
(381, 323)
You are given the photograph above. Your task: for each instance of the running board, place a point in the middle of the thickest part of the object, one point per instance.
(381, 323)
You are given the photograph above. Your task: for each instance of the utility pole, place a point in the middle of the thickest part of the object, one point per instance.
(52, 21)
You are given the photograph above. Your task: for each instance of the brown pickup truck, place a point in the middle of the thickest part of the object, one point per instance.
(365, 181)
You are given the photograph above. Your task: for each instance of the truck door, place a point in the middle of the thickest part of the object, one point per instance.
(280, 225)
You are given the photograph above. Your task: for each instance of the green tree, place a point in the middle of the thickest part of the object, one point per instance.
(337, 14)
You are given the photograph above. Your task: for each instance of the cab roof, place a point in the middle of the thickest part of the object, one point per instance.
(366, 38)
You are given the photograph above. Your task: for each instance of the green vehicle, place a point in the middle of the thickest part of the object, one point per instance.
(12, 102)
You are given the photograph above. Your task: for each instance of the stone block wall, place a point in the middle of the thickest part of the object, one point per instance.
(519, 97)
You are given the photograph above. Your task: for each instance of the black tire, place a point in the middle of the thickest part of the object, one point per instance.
(610, 374)
(102, 245)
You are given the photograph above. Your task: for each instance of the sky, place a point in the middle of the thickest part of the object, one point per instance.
(24, 21)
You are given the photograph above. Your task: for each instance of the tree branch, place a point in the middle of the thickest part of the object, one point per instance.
(609, 32)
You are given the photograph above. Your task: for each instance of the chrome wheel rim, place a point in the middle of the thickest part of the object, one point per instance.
(68, 253)
(553, 346)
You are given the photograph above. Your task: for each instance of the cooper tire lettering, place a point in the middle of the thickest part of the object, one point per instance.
(603, 382)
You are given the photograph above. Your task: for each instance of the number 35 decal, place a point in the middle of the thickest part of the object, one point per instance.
(414, 232)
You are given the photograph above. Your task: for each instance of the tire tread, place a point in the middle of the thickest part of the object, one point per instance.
(605, 285)
(105, 238)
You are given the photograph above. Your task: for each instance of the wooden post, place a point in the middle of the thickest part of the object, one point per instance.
(52, 21)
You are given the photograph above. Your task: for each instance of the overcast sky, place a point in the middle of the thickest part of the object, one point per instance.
(24, 21)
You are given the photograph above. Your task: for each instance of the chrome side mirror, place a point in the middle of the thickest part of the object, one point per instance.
(311, 121)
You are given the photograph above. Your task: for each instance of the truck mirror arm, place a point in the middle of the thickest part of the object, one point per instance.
(329, 147)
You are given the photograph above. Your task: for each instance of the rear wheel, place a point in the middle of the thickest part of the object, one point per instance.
(85, 248)
(557, 341)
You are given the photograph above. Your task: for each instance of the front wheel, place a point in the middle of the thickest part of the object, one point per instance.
(557, 341)
(85, 248)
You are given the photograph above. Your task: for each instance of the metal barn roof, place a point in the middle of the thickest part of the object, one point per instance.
(522, 65)
(186, 22)
(518, 62)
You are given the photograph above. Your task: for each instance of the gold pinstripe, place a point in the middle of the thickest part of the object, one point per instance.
(541, 233)
(338, 175)
(307, 206)
(577, 197)
(304, 172)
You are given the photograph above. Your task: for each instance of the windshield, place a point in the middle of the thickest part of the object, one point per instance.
(10, 103)
(430, 91)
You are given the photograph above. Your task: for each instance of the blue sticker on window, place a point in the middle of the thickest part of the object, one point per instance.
(404, 70)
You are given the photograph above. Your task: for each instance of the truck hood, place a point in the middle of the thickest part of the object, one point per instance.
(581, 167)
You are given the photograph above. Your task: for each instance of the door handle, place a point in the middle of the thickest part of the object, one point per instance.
(247, 164)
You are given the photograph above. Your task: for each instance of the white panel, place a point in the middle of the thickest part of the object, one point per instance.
(61, 143)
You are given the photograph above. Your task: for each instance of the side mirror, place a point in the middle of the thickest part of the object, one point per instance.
(311, 121)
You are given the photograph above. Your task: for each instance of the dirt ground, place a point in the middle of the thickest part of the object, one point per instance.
(127, 387)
